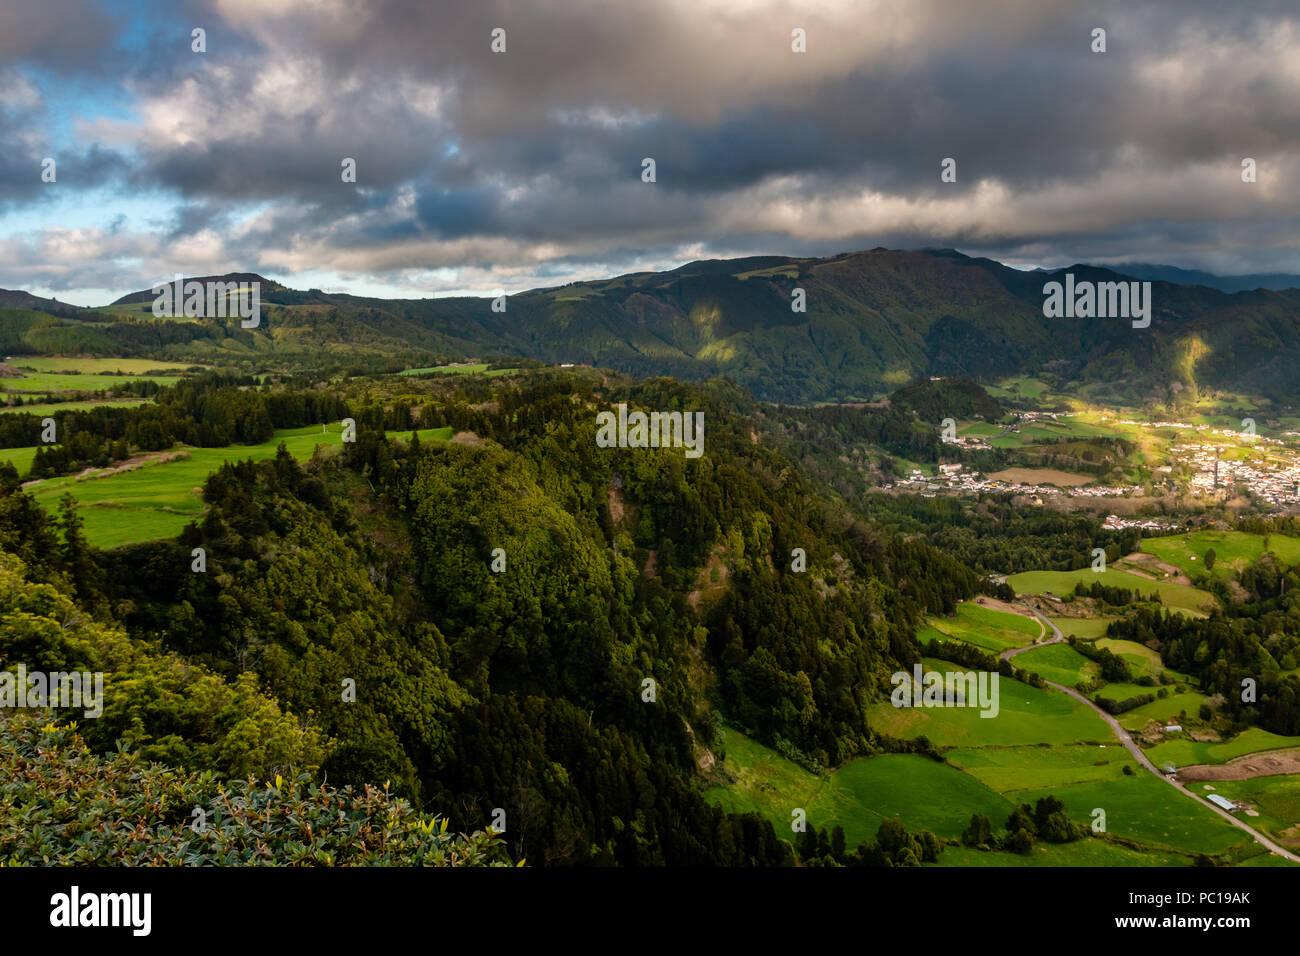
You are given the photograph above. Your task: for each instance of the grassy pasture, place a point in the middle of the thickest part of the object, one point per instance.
(1026, 715)
(1122, 692)
(1024, 387)
(91, 366)
(1086, 852)
(1140, 658)
(1011, 769)
(1277, 799)
(46, 383)
(1146, 809)
(48, 408)
(924, 793)
(158, 499)
(20, 458)
(1163, 709)
(1060, 663)
(990, 780)
(1085, 627)
(1177, 597)
(983, 627)
(1187, 753)
(1233, 550)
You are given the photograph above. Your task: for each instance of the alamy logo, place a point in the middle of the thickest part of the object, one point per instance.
(656, 430)
(213, 300)
(924, 688)
(79, 689)
(73, 909)
(1098, 300)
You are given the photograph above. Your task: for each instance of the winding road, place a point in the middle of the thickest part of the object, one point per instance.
(1127, 740)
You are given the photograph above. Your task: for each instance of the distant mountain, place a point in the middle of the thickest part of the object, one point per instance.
(147, 295)
(17, 299)
(873, 321)
(1239, 283)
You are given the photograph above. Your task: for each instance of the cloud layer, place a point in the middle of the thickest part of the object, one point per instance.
(479, 170)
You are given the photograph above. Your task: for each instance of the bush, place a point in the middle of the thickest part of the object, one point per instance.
(62, 805)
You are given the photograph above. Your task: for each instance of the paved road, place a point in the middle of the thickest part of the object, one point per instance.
(1127, 740)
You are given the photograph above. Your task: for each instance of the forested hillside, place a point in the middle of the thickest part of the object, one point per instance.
(516, 619)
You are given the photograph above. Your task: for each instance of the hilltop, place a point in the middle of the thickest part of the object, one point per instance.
(873, 321)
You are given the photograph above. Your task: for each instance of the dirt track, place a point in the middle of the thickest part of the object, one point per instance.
(1269, 764)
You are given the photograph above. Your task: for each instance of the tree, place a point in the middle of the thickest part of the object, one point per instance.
(1210, 558)
(837, 843)
(891, 835)
(1021, 842)
(931, 846)
(979, 833)
(1022, 819)
(1053, 821)
(77, 559)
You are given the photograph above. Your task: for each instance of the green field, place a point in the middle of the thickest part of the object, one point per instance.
(20, 458)
(1277, 799)
(1140, 658)
(1085, 852)
(1026, 715)
(90, 366)
(47, 408)
(44, 383)
(924, 793)
(1233, 550)
(1024, 387)
(1144, 808)
(1122, 692)
(984, 627)
(1176, 597)
(1188, 753)
(1163, 709)
(1059, 663)
(159, 499)
(1011, 769)
(1085, 627)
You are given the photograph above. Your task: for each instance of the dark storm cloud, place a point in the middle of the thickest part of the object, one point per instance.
(469, 157)
(57, 34)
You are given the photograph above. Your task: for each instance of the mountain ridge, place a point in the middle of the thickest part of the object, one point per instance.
(872, 321)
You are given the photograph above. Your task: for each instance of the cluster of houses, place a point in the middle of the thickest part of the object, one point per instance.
(955, 481)
(1275, 482)
(1116, 523)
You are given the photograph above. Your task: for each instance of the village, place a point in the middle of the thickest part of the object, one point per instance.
(953, 480)
(1271, 473)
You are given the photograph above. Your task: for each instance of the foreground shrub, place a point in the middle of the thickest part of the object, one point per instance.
(61, 804)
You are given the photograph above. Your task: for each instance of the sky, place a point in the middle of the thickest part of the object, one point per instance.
(480, 171)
